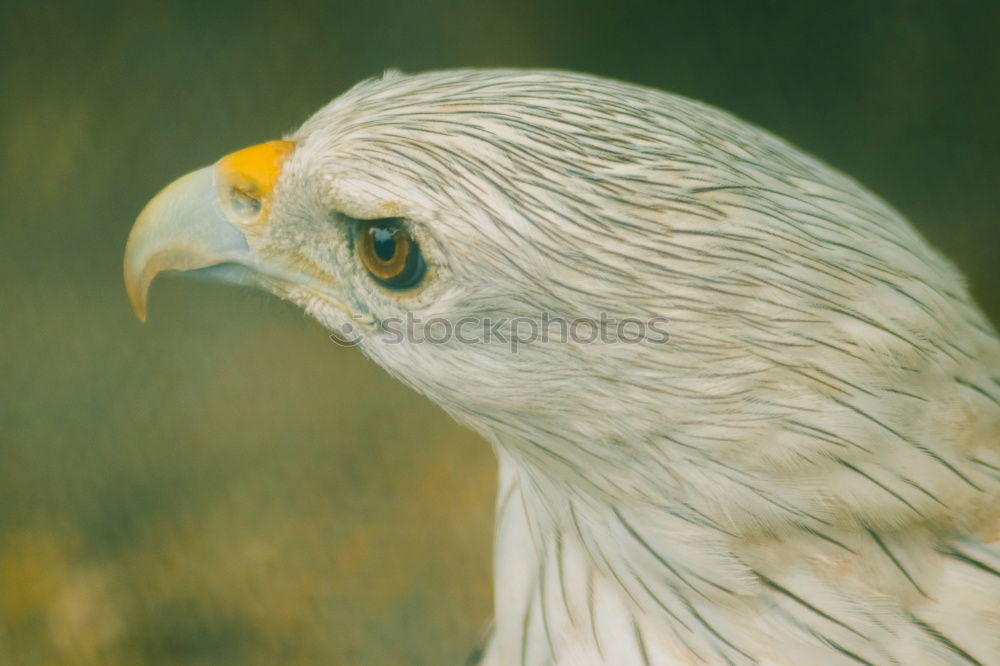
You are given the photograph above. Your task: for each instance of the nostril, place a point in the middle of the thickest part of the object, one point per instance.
(244, 203)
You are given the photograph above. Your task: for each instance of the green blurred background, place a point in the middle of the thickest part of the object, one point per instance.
(225, 485)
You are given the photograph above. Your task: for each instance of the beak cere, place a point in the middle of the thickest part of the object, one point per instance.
(202, 219)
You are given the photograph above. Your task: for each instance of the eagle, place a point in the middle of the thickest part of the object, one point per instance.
(793, 456)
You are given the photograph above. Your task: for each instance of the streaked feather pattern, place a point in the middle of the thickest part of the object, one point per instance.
(808, 473)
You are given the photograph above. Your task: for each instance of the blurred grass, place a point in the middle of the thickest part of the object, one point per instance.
(234, 488)
(226, 486)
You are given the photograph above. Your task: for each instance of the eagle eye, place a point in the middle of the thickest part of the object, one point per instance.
(390, 254)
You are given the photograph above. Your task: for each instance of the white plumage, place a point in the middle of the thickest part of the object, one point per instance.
(808, 472)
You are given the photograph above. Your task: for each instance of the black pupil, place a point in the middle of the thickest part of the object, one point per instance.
(385, 242)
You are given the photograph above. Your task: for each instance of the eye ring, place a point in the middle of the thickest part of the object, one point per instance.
(390, 254)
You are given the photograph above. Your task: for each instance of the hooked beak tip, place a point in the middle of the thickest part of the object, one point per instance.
(137, 292)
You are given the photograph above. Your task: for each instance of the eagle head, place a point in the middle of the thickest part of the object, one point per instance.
(693, 346)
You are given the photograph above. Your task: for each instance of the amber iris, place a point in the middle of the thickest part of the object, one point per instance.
(389, 253)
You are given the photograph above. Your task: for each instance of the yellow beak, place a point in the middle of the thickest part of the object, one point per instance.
(201, 221)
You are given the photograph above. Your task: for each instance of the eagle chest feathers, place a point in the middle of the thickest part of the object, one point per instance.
(805, 470)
